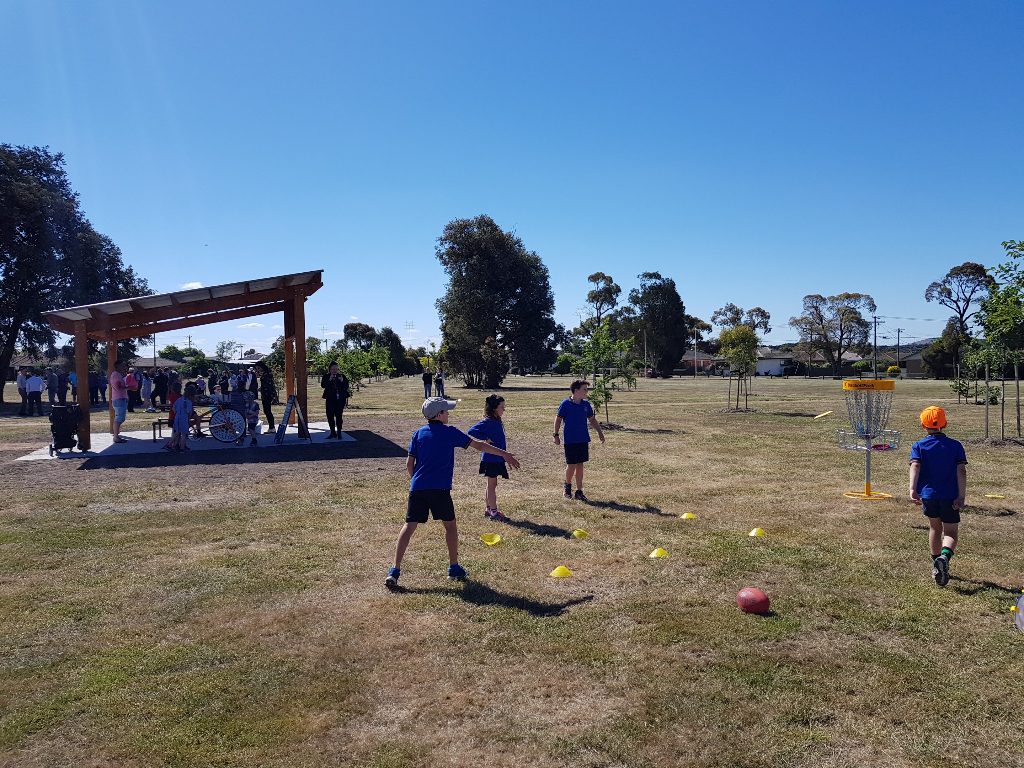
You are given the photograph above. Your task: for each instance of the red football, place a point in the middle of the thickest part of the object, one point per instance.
(753, 600)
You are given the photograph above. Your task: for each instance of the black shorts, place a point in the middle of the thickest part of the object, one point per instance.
(940, 508)
(436, 502)
(577, 453)
(493, 469)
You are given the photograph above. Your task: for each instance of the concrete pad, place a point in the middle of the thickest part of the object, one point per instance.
(142, 442)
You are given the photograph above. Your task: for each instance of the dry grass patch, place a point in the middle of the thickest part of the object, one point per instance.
(235, 615)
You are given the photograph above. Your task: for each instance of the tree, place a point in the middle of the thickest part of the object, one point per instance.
(940, 358)
(392, 342)
(50, 255)
(962, 290)
(663, 316)
(496, 362)
(739, 347)
(732, 316)
(360, 335)
(603, 358)
(834, 325)
(250, 353)
(172, 352)
(1002, 314)
(496, 290)
(225, 350)
(604, 296)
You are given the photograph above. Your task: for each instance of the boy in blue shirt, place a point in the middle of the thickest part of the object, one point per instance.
(938, 482)
(576, 412)
(431, 466)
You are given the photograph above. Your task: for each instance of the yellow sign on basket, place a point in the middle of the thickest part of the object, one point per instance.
(878, 385)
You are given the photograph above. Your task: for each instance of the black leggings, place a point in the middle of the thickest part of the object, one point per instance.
(267, 402)
(335, 412)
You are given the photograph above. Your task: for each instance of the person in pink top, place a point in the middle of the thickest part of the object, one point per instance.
(119, 398)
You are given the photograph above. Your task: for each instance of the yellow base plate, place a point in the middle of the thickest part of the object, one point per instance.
(873, 496)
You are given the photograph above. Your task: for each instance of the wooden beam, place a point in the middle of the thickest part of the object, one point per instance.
(301, 376)
(137, 331)
(82, 372)
(289, 352)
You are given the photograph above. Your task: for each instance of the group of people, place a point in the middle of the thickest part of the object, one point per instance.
(130, 387)
(54, 381)
(938, 473)
(433, 379)
(431, 465)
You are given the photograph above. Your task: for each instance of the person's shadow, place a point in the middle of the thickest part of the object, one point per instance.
(974, 586)
(539, 529)
(477, 593)
(635, 509)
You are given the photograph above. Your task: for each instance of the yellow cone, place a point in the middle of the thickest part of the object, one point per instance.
(757, 532)
(688, 516)
(1014, 609)
(994, 496)
(659, 552)
(822, 415)
(561, 572)
(579, 533)
(490, 539)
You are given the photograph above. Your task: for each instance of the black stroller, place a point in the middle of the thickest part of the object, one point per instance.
(64, 427)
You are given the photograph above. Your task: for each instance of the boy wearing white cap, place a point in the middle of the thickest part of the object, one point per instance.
(431, 466)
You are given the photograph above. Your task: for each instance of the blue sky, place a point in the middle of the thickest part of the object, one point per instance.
(754, 152)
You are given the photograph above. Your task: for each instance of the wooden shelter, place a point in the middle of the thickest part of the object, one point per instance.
(113, 321)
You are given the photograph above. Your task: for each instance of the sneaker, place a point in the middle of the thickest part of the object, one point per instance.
(579, 495)
(940, 570)
(456, 572)
(567, 491)
(489, 513)
(497, 515)
(392, 580)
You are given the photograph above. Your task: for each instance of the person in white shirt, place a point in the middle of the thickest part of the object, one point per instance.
(34, 386)
(22, 393)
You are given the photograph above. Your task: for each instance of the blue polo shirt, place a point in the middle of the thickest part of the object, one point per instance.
(493, 430)
(939, 457)
(434, 446)
(575, 417)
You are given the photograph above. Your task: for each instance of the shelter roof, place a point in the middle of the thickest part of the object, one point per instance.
(159, 312)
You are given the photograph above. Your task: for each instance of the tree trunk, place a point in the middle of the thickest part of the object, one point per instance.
(728, 397)
(1002, 405)
(986, 401)
(1016, 381)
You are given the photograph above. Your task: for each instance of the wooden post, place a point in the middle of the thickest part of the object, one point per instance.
(289, 354)
(82, 372)
(301, 377)
(111, 362)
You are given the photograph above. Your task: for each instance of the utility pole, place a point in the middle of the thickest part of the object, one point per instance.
(323, 331)
(874, 346)
(898, 332)
(694, 353)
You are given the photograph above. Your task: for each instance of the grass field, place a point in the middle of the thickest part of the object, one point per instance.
(197, 614)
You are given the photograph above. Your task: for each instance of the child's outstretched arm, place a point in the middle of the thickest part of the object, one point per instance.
(483, 447)
(597, 425)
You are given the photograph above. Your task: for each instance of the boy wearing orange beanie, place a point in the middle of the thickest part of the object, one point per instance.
(938, 482)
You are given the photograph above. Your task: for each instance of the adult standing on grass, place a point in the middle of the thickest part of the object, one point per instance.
(160, 385)
(268, 392)
(51, 385)
(119, 398)
(938, 482)
(576, 412)
(336, 392)
(428, 382)
(439, 382)
(22, 392)
(34, 386)
(431, 467)
(73, 381)
(146, 391)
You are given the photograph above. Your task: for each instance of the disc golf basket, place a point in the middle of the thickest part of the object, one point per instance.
(868, 402)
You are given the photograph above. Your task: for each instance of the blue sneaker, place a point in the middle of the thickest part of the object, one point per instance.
(392, 580)
(456, 572)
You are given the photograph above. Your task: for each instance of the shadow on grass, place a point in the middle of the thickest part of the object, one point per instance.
(789, 413)
(367, 445)
(635, 509)
(642, 430)
(480, 594)
(539, 529)
(979, 585)
(983, 512)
